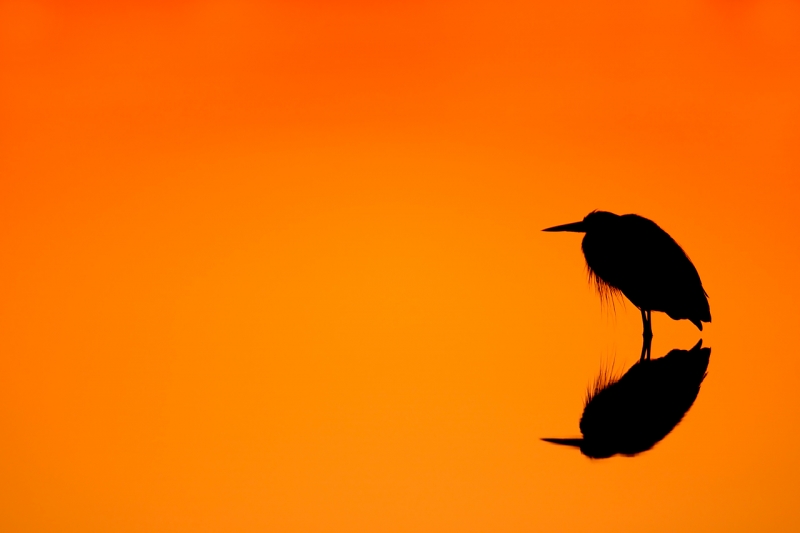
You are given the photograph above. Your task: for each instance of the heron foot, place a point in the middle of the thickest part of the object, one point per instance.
(646, 345)
(647, 334)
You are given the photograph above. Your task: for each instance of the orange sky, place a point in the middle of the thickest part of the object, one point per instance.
(278, 267)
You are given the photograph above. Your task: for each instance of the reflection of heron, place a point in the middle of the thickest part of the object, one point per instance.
(632, 255)
(631, 414)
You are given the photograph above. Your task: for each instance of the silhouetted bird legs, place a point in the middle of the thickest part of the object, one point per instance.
(647, 335)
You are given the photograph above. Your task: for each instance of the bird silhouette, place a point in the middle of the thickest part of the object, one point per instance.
(632, 414)
(633, 255)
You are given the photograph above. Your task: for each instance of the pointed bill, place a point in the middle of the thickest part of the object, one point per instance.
(577, 227)
(566, 442)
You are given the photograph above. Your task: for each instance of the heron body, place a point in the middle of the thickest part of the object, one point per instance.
(633, 255)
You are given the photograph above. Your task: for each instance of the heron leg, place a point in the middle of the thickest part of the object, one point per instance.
(647, 335)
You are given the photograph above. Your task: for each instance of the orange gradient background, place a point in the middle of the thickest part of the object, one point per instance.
(277, 266)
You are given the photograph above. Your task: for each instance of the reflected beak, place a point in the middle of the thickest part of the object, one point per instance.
(566, 442)
(577, 227)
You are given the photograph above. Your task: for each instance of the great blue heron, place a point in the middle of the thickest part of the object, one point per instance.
(632, 255)
(630, 414)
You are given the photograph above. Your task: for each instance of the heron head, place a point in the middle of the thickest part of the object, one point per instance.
(593, 221)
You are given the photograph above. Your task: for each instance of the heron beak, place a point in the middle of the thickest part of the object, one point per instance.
(566, 442)
(577, 227)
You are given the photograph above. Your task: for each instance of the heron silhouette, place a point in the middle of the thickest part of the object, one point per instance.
(631, 414)
(633, 255)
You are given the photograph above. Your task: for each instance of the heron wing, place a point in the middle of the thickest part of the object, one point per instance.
(666, 278)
